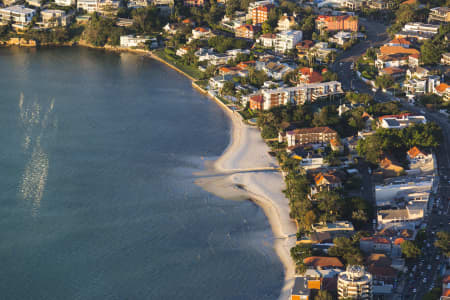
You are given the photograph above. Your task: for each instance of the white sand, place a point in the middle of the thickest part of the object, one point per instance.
(247, 150)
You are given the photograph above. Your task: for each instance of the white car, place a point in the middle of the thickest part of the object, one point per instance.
(425, 280)
(414, 290)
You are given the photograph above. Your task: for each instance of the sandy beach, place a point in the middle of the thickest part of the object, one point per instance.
(233, 176)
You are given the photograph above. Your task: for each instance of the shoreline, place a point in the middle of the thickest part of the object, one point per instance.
(225, 178)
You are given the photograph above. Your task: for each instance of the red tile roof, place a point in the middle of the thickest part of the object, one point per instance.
(399, 241)
(414, 151)
(442, 87)
(400, 41)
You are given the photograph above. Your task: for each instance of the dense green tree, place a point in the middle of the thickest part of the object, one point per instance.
(443, 242)
(384, 81)
(346, 249)
(429, 53)
(323, 295)
(410, 249)
(147, 20)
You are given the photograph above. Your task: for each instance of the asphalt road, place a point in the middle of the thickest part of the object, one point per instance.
(422, 275)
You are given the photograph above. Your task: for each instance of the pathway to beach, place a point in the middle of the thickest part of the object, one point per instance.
(247, 171)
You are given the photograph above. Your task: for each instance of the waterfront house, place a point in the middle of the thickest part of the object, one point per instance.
(131, 41)
(53, 18)
(18, 15)
(315, 135)
(322, 262)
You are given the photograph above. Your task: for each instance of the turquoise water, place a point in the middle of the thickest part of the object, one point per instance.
(98, 199)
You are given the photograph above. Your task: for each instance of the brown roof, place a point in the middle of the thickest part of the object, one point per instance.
(333, 179)
(397, 50)
(322, 261)
(306, 44)
(324, 129)
(382, 271)
(400, 41)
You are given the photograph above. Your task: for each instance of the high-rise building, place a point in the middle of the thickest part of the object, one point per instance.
(355, 283)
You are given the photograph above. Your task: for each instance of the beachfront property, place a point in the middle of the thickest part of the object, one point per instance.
(286, 40)
(315, 135)
(355, 283)
(335, 226)
(131, 41)
(19, 15)
(323, 262)
(297, 95)
(400, 121)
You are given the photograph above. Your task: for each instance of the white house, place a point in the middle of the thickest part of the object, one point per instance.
(416, 155)
(129, 41)
(286, 23)
(267, 40)
(286, 40)
(88, 5)
(54, 18)
(201, 32)
(19, 15)
(65, 2)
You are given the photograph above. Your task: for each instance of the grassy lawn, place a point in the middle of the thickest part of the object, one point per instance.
(190, 70)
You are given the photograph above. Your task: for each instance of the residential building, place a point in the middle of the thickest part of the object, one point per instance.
(439, 14)
(131, 41)
(443, 90)
(394, 72)
(197, 3)
(325, 182)
(320, 51)
(336, 226)
(322, 262)
(54, 18)
(286, 40)
(375, 245)
(314, 135)
(413, 60)
(267, 40)
(380, 4)
(308, 75)
(300, 94)
(400, 121)
(303, 48)
(137, 3)
(337, 23)
(355, 283)
(276, 70)
(391, 61)
(408, 216)
(19, 15)
(108, 7)
(342, 37)
(286, 23)
(65, 2)
(87, 5)
(201, 32)
(34, 3)
(400, 42)
(445, 60)
(260, 13)
(418, 31)
(353, 4)
(182, 51)
(245, 32)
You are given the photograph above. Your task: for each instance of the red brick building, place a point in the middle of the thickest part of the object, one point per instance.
(337, 23)
(260, 14)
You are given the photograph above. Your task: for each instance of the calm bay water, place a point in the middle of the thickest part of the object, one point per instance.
(98, 199)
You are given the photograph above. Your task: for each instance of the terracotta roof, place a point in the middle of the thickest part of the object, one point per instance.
(187, 21)
(399, 241)
(400, 41)
(229, 69)
(397, 50)
(202, 29)
(306, 44)
(392, 70)
(332, 179)
(246, 27)
(416, 56)
(442, 87)
(314, 284)
(409, 2)
(322, 261)
(414, 151)
(399, 116)
(323, 129)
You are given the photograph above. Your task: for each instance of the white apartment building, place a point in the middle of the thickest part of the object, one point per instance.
(286, 40)
(88, 5)
(65, 2)
(129, 41)
(417, 30)
(308, 92)
(18, 14)
(355, 283)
